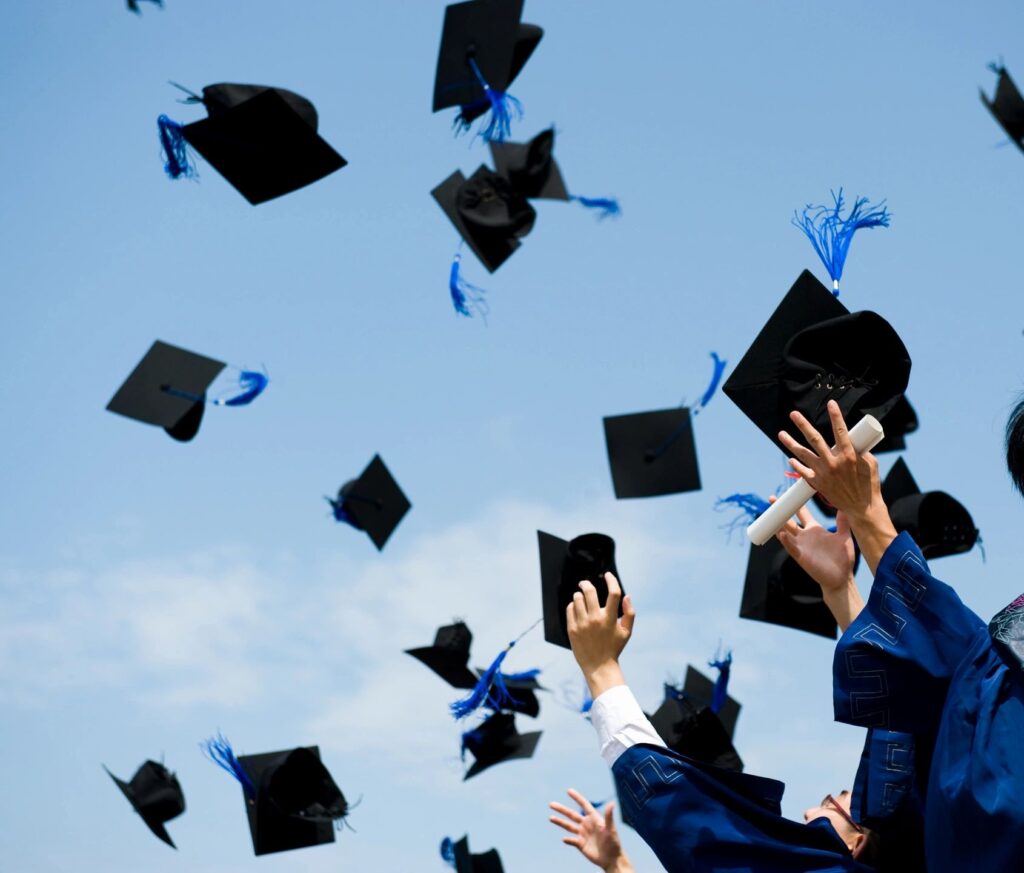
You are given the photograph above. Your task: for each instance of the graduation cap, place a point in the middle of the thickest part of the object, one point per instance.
(133, 5)
(812, 350)
(532, 170)
(484, 46)
(692, 729)
(939, 524)
(699, 689)
(373, 503)
(169, 388)
(263, 140)
(449, 655)
(290, 798)
(563, 565)
(521, 696)
(779, 592)
(901, 420)
(155, 795)
(496, 740)
(652, 453)
(1007, 106)
(459, 857)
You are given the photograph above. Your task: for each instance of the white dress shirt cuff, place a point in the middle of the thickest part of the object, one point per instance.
(620, 723)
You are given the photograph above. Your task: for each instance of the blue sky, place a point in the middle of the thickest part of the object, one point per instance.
(155, 592)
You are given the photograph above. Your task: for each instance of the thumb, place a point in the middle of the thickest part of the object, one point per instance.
(628, 614)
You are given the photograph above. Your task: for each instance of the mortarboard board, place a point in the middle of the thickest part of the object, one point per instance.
(521, 697)
(652, 453)
(373, 503)
(296, 800)
(700, 689)
(1007, 106)
(488, 214)
(530, 166)
(263, 140)
(938, 523)
(168, 388)
(779, 592)
(449, 655)
(482, 41)
(496, 740)
(155, 795)
(692, 729)
(457, 854)
(563, 565)
(812, 350)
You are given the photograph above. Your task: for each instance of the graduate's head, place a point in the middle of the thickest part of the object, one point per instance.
(837, 810)
(1015, 445)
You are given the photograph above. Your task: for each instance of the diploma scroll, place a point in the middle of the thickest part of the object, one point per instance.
(865, 435)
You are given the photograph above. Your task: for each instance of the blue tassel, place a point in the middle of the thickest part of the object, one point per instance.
(720, 692)
(338, 511)
(490, 687)
(504, 109)
(749, 505)
(716, 378)
(219, 750)
(252, 384)
(448, 851)
(588, 700)
(177, 162)
(608, 207)
(466, 297)
(831, 235)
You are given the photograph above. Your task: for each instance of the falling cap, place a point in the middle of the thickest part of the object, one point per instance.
(168, 388)
(496, 740)
(692, 729)
(938, 523)
(459, 856)
(296, 801)
(813, 350)
(373, 503)
(563, 565)
(155, 795)
(530, 167)
(488, 214)
(652, 453)
(779, 592)
(1007, 107)
(700, 689)
(449, 655)
(490, 33)
(263, 140)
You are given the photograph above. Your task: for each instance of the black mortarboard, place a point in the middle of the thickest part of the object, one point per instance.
(488, 214)
(155, 795)
(496, 740)
(373, 503)
(489, 32)
(133, 5)
(938, 523)
(779, 592)
(263, 140)
(459, 855)
(521, 696)
(296, 803)
(563, 565)
(449, 655)
(1007, 107)
(700, 689)
(652, 453)
(692, 729)
(899, 421)
(531, 167)
(813, 350)
(168, 388)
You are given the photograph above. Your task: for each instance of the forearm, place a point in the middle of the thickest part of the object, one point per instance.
(874, 532)
(620, 865)
(845, 603)
(601, 678)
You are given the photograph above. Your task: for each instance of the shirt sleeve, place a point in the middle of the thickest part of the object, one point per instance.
(893, 665)
(620, 723)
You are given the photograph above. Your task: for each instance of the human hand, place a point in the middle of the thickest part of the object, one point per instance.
(597, 634)
(593, 834)
(828, 558)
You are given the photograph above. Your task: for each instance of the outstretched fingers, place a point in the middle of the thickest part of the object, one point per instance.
(814, 439)
(581, 801)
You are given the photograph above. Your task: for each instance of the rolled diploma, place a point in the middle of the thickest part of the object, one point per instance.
(865, 435)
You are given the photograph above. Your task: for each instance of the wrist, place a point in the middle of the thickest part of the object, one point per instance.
(845, 603)
(603, 676)
(620, 865)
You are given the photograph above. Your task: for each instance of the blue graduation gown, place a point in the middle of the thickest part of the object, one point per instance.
(917, 660)
(698, 818)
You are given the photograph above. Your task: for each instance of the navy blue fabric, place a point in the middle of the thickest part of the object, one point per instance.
(917, 660)
(698, 819)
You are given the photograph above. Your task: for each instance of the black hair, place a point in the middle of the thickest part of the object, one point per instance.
(1015, 445)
